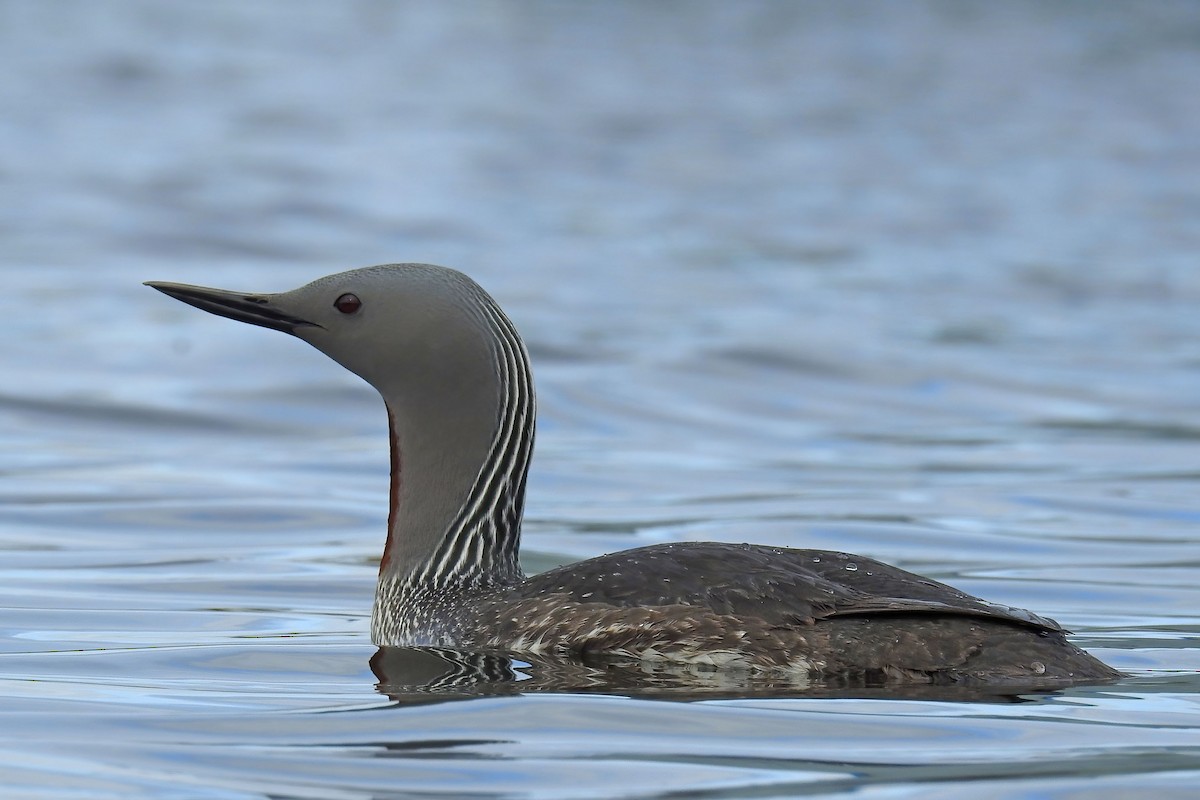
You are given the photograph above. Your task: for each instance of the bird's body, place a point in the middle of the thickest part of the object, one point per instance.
(814, 613)
(455, 377)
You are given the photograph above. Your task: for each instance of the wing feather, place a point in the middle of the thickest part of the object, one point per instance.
(780, 586)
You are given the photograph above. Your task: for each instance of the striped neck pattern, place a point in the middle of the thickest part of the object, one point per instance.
(480, 546)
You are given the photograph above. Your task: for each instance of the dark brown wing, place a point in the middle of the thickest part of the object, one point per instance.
(778, 585)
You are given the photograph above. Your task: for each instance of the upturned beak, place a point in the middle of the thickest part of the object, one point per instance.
(257, 309)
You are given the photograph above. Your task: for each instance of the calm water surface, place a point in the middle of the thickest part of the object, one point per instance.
(917, 281)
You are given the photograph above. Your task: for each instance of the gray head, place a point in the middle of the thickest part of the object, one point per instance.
(454, 376)
(398, 326)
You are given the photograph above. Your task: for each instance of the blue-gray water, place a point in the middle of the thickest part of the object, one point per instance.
(913, 280)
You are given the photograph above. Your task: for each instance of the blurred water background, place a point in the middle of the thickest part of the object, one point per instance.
(913, 280)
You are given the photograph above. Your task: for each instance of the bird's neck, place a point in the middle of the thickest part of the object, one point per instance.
(459, 460)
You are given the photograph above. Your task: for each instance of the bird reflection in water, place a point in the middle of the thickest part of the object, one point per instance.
(422, 675)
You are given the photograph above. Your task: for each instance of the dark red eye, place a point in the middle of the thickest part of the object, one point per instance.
(347, 303)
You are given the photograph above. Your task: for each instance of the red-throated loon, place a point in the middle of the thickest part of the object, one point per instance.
(455, 378)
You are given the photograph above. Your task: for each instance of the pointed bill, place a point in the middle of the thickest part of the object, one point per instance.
(256, 309)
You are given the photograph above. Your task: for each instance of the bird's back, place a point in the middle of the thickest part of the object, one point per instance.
(829, 615)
